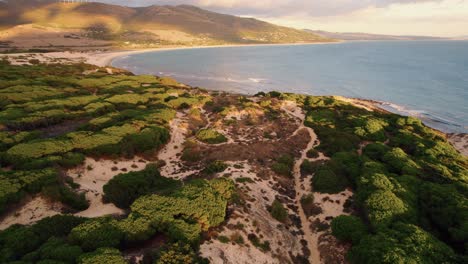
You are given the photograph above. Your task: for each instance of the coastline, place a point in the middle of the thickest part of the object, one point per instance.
(105, 58)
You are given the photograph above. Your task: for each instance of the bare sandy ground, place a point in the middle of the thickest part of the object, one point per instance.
(172, 152)
(33, 210)
(460, 142)
(254, 219)
(91, 176)
(94, 174)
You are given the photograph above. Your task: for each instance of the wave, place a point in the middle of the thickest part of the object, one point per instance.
(215, 78)
(258, 80)
(423, 115)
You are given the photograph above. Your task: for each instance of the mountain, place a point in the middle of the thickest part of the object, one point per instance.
(366, 36)
(136, 27)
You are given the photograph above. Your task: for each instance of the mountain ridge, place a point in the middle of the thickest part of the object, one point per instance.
(141, 27)
(369, 36)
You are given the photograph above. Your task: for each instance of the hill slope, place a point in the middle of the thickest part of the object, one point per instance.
(366, 36)
(141, 27)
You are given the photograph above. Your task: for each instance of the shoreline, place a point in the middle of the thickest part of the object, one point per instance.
(105, 58)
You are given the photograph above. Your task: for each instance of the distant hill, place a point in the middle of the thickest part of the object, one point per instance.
(366, 36)
(142, 26)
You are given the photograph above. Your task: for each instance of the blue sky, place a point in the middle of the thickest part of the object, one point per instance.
(415, 17)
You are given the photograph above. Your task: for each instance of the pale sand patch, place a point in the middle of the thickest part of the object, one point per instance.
(331, 204)
(218, 252)
(32, 211)
(255, 219)
(93, 175)
(172, 152)
(459, 142)
(360, 103)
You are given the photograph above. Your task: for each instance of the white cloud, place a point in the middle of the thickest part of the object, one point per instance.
(439, 18)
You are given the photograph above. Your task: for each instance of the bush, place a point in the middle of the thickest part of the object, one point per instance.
(176, 253)
(402, 244)
(103, 256)
(263, 246)
(348, 228)
(215, 167)
(124, 189)
(18, 241)
(326, 181)
(210, 136)
(96, 233)
(384, 207)
(312, 154)
(278, 211)
(284, 165)
(185, 213)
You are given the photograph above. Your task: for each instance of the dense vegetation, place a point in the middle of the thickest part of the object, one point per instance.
(182, 213)
(52, 116)
(124, 189)
(410, 184)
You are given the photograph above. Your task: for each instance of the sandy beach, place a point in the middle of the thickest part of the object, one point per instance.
(105, 58)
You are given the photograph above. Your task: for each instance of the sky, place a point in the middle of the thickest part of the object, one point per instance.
(446, 18)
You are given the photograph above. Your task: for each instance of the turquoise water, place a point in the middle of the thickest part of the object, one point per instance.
(427, 79)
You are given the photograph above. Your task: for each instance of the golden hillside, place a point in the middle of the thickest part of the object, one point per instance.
(136, 27)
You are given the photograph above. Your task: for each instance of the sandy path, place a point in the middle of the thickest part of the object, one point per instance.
(172, 152)
(312, 239)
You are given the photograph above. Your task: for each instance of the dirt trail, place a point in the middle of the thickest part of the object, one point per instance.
(312, 239)
(172, 152)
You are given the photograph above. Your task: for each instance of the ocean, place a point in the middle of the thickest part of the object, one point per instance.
(426, 79)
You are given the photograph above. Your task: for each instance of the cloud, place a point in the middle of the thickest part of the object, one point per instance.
(438, 18)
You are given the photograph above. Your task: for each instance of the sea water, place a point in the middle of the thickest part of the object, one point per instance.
(427, 79)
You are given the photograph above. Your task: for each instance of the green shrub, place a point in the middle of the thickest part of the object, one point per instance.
(210, 136)
(348, 228)
(184, 214)
(402, 244)
(176, 253)
(96, 233)
(215, 167)
(263, 246)
(124, 189)
(103, 256)
(224, 239)
(281, 169)
(312, 154)
(326, 181)
(278, 211)
(384, 207)
(19, 241)
(284, 165)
